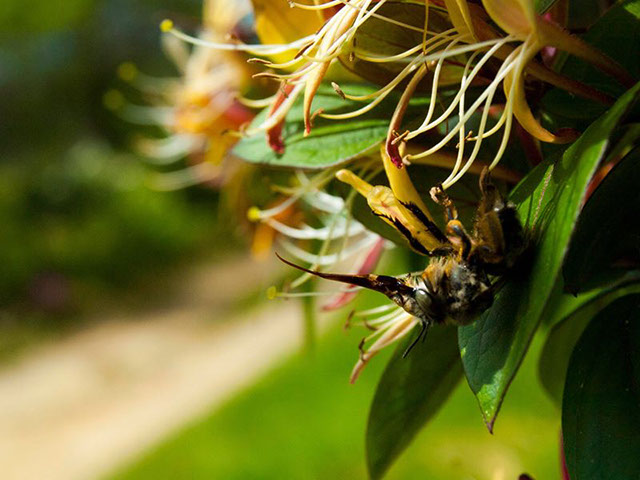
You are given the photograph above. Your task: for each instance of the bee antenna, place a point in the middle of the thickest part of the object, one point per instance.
(291, 264)
(422, 335)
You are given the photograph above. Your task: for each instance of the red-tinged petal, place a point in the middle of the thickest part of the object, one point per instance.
(274, 134)
(393, 141)
(339, 301)
(393, 152)
(311, 87)
(274, 138)
(370, 261)
(237, 114)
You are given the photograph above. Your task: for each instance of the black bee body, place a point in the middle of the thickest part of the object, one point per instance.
(457, 284)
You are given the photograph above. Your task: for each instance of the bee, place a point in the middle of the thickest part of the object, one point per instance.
(463, 276)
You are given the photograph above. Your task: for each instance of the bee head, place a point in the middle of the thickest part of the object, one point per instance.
(423, 299)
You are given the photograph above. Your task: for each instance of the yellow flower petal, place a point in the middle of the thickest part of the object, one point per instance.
(401, 184)
(360, 186)
(521, 108)
(276, 23)
(460, 17)
(317, 75)
(517, 17)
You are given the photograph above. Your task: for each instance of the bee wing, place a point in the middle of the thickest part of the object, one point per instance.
(380, 283)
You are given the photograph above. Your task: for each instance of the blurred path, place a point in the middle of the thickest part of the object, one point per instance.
(78, 408)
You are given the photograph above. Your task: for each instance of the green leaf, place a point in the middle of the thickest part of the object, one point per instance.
(569, 318)
(544, 5)
(331, 142)
(493, 347)
(608, 229)
(601, 402)
(410, 392)
(583, 14)
(619, 26)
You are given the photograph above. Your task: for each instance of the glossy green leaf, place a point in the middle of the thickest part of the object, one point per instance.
(549, 201)
(331, 142)
(608, 229)
(601, 401)
(569, 318)
(620, 26)
(582, 14)
(409, 394)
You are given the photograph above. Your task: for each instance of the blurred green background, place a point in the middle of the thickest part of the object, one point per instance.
(80, 225)
(305, 421)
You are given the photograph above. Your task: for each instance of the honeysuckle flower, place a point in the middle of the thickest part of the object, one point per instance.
(367, 265)
(283, 31)
(456, 56)
(471, 38)
(519, 21)
(343, 241)
(313, 62)
(389, 323)
(474, 37)
(341, 238)
(199, 109)
(491, 46)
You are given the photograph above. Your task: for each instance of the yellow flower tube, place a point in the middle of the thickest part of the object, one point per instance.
(460, 17)
(276, 23)
(407, 218)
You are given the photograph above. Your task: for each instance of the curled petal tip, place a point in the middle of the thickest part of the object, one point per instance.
(275, 140)
(357, 369)
(394, 154)
(277, 146)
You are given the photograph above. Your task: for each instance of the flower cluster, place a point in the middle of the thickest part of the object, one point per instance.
(474, 61)
(197, 111)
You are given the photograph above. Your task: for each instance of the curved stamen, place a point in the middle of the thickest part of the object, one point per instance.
(257, 49)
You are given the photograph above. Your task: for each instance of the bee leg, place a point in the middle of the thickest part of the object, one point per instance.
(439, 196)
(421, 335)
(455, 231)
(497, 229)
(491, 197)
